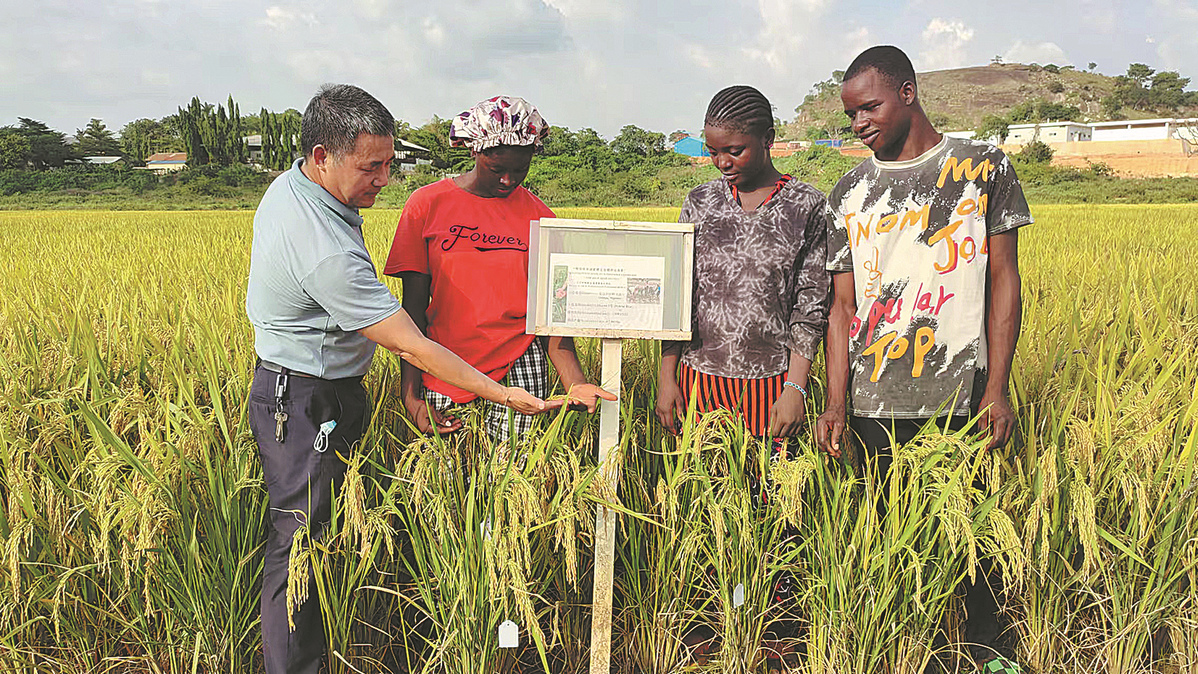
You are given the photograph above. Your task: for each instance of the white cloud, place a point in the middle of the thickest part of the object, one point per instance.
(590, 10)
(1186, 10)
(1176, 46)
(945, 44)
(433, 32)
(784, 38)
(155, 78)
(1036, 52)
(279, 18)
(699, 56)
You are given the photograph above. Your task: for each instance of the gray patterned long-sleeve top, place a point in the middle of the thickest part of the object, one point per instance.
(761, 288)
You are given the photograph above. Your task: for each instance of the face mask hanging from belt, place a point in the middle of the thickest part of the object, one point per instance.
(326, 429)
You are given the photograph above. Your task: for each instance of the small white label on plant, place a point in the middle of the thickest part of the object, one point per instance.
(485, 529)
(509, 635)
(738, 595)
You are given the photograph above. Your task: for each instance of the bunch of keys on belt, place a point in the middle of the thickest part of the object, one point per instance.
(280, 415)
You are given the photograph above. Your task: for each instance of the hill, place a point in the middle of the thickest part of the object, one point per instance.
(958, 99)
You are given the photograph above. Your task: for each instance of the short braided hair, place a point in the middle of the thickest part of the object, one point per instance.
(890, 63)
(741, 108)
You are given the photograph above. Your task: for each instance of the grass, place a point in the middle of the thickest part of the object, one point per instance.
(132, 508)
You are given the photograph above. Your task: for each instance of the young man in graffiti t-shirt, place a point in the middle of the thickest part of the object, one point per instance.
(922, 246)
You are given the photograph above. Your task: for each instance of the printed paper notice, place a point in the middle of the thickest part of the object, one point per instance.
(606, 291)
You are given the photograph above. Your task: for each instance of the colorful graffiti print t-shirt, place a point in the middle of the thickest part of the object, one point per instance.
(915, 235)
(476, 251)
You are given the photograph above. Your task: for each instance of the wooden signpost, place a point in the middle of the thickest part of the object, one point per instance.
(615, 281)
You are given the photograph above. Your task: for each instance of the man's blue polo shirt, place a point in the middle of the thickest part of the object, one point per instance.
(312, 284)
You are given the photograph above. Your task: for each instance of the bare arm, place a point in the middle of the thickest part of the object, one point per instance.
(579, 392)
(671, 402)
(1004, 316)
(398, 334)
(829, 429)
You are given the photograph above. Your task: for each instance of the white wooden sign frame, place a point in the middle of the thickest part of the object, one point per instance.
(538, 268)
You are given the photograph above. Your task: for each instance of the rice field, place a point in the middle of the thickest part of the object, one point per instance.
(132, 505)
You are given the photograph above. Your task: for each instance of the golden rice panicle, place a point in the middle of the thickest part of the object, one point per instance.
(568, 481)
(352, 502)
(1085, 522)
(299, 571)
(1038, 526)
(791, 477)
(1008, 547)
(1081, 448)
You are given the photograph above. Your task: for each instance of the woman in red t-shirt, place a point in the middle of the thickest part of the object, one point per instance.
(461, 249)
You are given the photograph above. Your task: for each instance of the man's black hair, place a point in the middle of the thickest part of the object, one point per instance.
(890, 63)
(741, 108)
(338, 114)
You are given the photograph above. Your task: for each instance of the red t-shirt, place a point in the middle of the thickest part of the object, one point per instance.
(476, 251)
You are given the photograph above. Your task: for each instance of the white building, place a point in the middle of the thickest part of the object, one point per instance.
(1050, 132)
(1142, 129)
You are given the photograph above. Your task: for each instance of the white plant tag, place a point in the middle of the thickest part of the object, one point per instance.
(485, 529)
(509, 635)
(738, 595)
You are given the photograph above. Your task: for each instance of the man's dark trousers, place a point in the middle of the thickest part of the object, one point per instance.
(982, 625)
(300, 482)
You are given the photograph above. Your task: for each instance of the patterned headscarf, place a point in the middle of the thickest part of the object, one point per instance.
(503, 120)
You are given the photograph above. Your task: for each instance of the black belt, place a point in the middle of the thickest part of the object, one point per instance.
(275, 367)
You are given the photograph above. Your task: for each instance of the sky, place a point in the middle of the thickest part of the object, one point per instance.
(584, 63)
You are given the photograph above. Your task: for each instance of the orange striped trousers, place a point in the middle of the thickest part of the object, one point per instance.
(749, 399)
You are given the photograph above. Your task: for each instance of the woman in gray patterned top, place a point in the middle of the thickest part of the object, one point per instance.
(760, 301)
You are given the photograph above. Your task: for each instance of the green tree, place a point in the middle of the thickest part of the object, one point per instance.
(634, 140)
(96, 140)
(280, 138)
(14, 149)
(1091, 66)
(830, 123)
(1040, 110)
(1168, 90)
(1035, 152)
(993, 128)
(561, 141)
(144, 137)
(1112, 107)
(434, 135)
(47, 148)
(1139, 73)
(211, 133)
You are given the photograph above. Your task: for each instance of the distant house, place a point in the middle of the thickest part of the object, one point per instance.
(410, 155)
(1142, 129)
(690, 146)
(253, 145)
(1049, 132)
(102, 160)
(165, 162)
